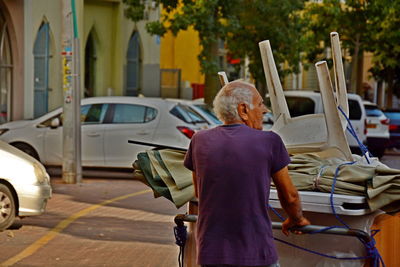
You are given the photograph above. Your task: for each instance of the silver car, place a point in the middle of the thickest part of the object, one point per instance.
(108, 124)
(24, 185)
(207, 112)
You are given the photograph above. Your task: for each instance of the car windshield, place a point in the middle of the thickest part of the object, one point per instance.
(373, 111)
(187, 114)
(298, 106)
(209, 112)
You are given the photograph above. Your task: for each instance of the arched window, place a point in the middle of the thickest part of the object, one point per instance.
(90, 66)
(41, 70)
(6, 67)
(133, 66)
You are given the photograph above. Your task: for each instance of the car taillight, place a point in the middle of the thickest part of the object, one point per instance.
(186, 131)
(393, 127)
(365, 127)
(385, 121)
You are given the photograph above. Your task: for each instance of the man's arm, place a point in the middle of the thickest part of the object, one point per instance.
(290, 200)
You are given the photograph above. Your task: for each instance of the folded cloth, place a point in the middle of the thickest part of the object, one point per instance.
(152, 178)
(164, 172)
(162, 175)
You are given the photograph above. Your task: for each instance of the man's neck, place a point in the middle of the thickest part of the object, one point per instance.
(234, 122)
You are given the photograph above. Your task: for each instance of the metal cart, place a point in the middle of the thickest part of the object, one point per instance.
(337, 242)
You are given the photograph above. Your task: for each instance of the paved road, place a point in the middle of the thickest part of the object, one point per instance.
(134, 230)
(391, 159)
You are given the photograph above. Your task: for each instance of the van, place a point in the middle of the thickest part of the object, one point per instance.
(302, 102)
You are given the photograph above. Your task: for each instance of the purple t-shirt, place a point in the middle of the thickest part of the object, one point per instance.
(233, 164)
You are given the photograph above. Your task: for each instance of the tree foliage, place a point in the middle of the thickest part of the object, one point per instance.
(363, 25)
(207, 17)
(384, 29)
(276, 21)
(240, 23)
(349, 19)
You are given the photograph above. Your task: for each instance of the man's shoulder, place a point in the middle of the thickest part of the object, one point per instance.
(265, 134)
(204, 132)
(271, 134)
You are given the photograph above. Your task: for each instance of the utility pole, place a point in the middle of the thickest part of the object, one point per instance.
(71, 168)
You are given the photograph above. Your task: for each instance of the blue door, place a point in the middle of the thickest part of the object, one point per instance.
(41, 70)
(133, 65)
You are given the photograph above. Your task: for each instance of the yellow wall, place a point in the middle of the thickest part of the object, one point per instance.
(181, 52)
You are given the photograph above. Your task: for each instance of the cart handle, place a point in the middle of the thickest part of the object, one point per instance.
(158, 146)
(181, 218)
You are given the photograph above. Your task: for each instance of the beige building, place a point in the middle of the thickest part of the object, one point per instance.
(118, 57)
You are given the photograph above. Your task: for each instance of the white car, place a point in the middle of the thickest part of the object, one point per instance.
(378, 129)
(206, 112)
(107, 125)
(268, 121)
(302, 102)
(24, 185)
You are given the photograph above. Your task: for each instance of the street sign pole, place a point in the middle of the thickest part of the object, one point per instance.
(71, 167)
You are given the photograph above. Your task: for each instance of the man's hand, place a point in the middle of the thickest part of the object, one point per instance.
(290, 201)
(289, 223)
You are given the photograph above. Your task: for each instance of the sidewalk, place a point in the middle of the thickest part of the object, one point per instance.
(80, 229)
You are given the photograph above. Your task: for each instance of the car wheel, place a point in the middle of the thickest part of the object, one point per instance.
(7, 207)
(27, 149)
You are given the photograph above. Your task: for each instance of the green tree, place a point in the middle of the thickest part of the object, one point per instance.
(384, 43)
(349, 20)
(207, 17)
(276, 21)
(240, 23)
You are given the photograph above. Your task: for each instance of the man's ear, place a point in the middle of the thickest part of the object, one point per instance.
(242, 111)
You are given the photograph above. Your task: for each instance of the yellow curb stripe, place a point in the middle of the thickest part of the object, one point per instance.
(61, 226)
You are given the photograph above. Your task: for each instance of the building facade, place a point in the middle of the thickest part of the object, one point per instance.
(117, 56)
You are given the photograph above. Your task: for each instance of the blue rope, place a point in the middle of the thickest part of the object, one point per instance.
(180, 232)
(350, 128)
(276, 213)
(333, 191)
(371, 251)
(180, 235)
(319, 253)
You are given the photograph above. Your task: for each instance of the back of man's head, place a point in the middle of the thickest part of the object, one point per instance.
(229, 97)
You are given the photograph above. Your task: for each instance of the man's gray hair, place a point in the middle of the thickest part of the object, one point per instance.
(229, 97)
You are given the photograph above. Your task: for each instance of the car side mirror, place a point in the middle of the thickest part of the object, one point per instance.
(55, 123)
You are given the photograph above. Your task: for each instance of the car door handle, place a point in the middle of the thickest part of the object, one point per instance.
(143, 133)
(93, 134)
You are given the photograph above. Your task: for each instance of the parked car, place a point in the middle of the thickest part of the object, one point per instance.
(202, 109)
(394, 127)
(24, 185)
(268, 121)
(207, 112)
(107, 125)
(303, 102)
(378, 129)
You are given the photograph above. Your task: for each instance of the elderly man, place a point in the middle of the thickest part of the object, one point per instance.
(232, 169)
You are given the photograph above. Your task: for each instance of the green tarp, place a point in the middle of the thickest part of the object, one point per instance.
(163, 171)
